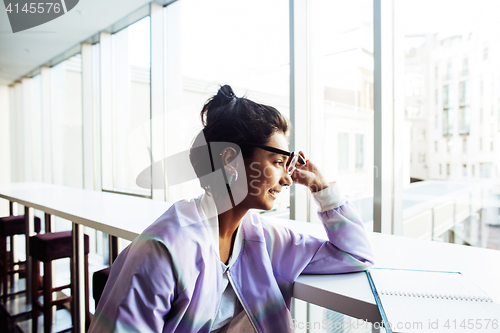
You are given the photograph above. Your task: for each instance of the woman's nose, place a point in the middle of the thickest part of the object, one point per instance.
(286, 179)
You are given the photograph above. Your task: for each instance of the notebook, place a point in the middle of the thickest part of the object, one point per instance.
(431, 301)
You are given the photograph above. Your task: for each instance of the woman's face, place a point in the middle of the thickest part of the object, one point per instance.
(266, 174)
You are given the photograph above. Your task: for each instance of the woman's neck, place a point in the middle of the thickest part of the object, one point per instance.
(229, 221)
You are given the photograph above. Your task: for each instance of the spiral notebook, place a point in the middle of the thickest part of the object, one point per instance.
(431, 301)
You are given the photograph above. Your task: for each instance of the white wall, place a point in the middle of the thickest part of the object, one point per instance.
(4, 144)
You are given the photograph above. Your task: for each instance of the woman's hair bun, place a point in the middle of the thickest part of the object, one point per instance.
(224, 96)
(226, 92)
(222, 100)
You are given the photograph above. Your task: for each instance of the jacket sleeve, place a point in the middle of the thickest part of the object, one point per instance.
(347, 248)
(139, 291)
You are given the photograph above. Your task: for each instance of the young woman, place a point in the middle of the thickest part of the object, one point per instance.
(210, 264)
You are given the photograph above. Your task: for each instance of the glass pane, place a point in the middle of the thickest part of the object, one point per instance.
(340, 64)
(130, 59)
(341, 78)
(453, 58)
(33, 143)
(244, 44)
(66, 106)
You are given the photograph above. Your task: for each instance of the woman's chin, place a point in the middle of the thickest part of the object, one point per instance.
(269, 203)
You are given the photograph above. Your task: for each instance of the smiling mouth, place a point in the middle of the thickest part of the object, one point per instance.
(274, 193)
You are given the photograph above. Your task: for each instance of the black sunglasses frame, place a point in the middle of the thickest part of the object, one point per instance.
(277, 151)
(268, 148)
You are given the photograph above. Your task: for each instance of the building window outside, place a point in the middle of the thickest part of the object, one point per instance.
(448, 71)
(436, 96)
(436, 146)
(464, 111)
(485, 53)
(491, 145)
(421, 134)
(440, 169)
(464, 145)
(485, 170)
(473, 170)
(414, 111)
(448, 169)
(343, 151)
(360, 138)
(447, 121)
(465, 69)
(436, 72)
(421, 157)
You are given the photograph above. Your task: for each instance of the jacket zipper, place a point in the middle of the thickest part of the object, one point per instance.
(239, 298)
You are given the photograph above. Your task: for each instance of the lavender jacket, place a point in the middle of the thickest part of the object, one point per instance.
(170, 278)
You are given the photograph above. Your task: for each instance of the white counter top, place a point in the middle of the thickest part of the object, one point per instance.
(119, 215)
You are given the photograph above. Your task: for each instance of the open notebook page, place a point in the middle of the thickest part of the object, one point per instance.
(425, 301)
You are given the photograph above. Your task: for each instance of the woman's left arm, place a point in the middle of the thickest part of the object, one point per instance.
(347, 248)
(348, 242)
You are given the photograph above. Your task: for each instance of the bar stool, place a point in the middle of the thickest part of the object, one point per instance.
(99, 280)
(46, 248)
(10, 226)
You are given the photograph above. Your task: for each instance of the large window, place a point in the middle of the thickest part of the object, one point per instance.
(340, 67)
(459, 48)
(126, 123)
(208, 44)
(66, 114)
(341, 101)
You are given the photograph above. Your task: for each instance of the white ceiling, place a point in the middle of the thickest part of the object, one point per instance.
(24, 51)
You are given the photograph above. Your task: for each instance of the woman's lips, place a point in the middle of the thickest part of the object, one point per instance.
(273, 193)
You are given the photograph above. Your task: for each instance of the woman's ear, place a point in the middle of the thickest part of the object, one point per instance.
(228, 155)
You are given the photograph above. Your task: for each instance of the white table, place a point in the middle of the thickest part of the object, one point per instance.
(350, 294)
(126, 216)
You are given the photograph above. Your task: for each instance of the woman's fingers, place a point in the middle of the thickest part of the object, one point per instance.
(307, 174)
(301, 153)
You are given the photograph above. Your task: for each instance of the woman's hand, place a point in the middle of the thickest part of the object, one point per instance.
(309, 175)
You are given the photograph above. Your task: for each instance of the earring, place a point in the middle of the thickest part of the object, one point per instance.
(233, 175)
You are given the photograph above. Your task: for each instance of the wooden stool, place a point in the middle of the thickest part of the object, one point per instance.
(46, 248)
(10, 226)
(99, 280)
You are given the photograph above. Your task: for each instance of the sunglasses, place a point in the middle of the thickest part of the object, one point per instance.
(293, 157)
